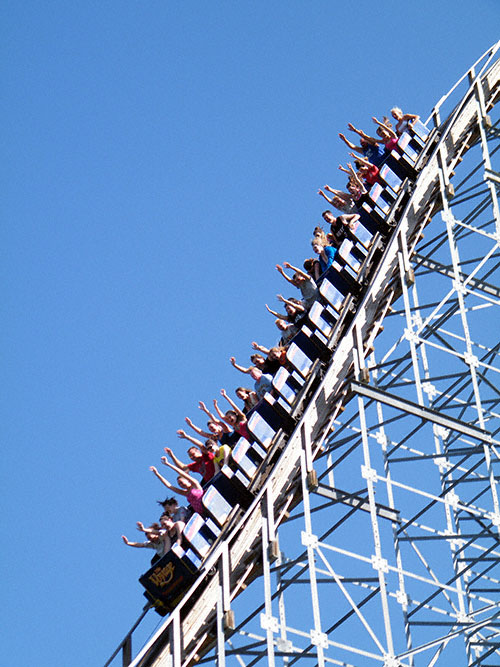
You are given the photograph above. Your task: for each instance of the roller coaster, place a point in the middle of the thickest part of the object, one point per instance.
(363, 507)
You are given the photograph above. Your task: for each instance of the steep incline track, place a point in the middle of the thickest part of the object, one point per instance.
(250, 546)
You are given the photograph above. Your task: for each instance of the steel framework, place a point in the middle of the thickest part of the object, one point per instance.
(374, 539)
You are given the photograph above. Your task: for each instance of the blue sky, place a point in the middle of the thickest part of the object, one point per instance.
(159, 159)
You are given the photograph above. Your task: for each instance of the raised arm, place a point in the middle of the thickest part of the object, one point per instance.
(149, 531)
(218, 410)
(178, 463)
(165, 481)
(204, 409)
(260, 348)
(363, 135)
(350, 145)
(273, 312)
(294, 304)
(242, 369)
(221, 422)
(184, 474)
(322, 194)
(355, 178)
(139, 545)
(304, 275)
(185, 436)
(240, 414)
(338, 193)
(363, 160)
(196, 428)
(388, 129)
(279, 268)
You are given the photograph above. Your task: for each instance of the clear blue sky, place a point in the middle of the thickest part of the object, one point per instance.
(159, 158)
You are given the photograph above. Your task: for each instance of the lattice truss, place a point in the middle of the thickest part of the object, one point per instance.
(393, 556)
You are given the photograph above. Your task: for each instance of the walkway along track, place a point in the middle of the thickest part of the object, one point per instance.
(193, 628)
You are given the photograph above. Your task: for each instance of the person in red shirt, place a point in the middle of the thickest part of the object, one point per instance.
(202, 460)
(367, 170)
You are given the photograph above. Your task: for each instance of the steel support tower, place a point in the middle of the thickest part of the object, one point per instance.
(374, 539)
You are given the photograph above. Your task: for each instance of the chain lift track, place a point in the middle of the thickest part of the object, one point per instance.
(373, 536)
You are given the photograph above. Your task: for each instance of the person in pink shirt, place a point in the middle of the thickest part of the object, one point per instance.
(189, 486)
(387, 134)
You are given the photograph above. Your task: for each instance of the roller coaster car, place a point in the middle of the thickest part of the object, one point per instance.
(335, 288)
(362, 234)
(200, 533)
(419, 134)
(371, 216)
(288, 384)
(232, 487)
(247, 457)
(270, 416)
(169, 578)
(305, 350)
(402, 165)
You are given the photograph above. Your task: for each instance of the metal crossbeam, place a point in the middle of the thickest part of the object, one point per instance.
(422, 412)
(356, 501)
(473, 283)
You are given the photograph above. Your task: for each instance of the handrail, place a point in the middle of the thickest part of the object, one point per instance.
(126, 643)
(491, 51)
